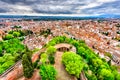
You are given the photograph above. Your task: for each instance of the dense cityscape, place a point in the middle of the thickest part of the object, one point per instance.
(59, 49)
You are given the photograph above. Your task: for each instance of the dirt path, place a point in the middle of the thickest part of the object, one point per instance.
(62, 73)
(35, 76)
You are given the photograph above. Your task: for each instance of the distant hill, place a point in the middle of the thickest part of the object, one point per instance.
(104, 16)
(110, 16)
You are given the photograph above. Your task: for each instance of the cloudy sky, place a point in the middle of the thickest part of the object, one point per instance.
(60, 7)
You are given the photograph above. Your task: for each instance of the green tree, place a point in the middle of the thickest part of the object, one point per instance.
(7, 64)
(1, 51)
(16, 26)
(48, 72)
(109, 62)
(90, 75)
(51, 43)
(8, 36)
(118, 76)
(51, 59)
(27, 66)
(96, 62)
(105, 74)
(2, 60)
(13, 46)
(73, 63)
(10, 32)
(75, 43)
(1, 70)
(81, 51)
(16, 34)
(8, 56)
(51, 50)
(43, 57)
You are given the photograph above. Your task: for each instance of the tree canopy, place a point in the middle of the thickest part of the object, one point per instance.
(48, 72)
(51, 50)
(73, 63)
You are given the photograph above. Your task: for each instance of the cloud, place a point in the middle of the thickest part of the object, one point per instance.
(77, 7)
(105, 8)
(58, 9)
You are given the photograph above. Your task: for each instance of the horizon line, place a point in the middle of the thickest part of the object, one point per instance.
(70, 15)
